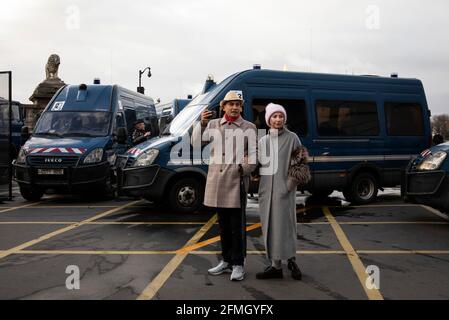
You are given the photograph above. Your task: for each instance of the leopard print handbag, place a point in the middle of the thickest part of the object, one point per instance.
(299, 170)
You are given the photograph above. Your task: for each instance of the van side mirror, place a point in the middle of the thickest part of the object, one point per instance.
(122, 135)
(169, 119)
(24, 134)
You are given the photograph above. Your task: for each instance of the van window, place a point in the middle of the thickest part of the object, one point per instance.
(15, 113)
(346, 118)
(296, 114)
(130, 116)
(404, 119)
(119, 121)
(143, 114)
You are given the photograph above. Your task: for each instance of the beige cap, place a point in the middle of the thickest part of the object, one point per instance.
(232, 95)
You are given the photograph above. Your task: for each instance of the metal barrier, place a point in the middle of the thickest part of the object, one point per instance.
(5, 135)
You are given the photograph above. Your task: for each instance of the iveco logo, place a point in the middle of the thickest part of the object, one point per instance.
(53, 160)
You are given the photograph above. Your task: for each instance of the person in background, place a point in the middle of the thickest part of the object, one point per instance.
(437, 139)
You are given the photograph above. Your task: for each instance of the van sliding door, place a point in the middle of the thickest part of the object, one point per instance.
(347, 133)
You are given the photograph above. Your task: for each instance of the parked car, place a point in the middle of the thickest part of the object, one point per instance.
(427, 178)
(77, 138)
(361, 132)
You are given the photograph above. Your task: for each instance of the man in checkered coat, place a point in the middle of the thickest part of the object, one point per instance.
(233, 156)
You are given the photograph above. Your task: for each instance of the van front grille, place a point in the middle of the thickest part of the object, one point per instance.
(53, 161)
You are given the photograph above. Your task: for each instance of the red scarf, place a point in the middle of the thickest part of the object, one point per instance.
(231, 119)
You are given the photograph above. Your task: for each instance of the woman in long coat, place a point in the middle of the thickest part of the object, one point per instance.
(277, 194)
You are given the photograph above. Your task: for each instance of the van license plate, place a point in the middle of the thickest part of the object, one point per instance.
(50, 171)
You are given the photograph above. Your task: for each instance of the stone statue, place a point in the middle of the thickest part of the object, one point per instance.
(52, 66)
(44, 91)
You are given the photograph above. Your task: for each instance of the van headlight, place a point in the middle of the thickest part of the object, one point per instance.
(94, 156)
(433, 162)
(21, 157)
(146, 158)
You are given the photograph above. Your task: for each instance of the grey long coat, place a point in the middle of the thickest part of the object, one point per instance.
(277, 205)
(223, 177)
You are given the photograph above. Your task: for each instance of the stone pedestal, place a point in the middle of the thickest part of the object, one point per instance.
(40, 98)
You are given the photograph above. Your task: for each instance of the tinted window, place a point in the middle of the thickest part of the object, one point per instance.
(15, 112)
(130, 116)
(119, 121)
(151, 122)
(296, 114)
(404, 119)
(143, 114)
(347, 118)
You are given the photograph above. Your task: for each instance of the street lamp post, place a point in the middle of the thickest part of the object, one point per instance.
(141, 89)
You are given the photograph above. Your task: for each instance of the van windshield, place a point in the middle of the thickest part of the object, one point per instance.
(184, 120)
(81, 124)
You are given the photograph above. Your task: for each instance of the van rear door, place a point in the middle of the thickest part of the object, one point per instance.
(407, 126)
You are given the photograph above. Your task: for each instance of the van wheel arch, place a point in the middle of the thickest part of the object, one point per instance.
(200, 183)
(369, 174)
(371, 169)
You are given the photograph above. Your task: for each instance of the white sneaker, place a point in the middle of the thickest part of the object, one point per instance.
(220, 269)
(237, 273)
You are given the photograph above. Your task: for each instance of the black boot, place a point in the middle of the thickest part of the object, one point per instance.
(270, 273)
(293, 267)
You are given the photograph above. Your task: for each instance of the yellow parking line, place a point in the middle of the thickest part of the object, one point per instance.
(101, 223)
(36, 222)
(208, 252)
(19, 207)
(403, 251)
(252, 225)
(393, 222)
(60, 231)
(151, 290)
(436, 212)
(94, 252)
(207, 242)
(168, 252)
(354, 259)
(253, 252)
(149, 223)
(375, 206)
(70, 207)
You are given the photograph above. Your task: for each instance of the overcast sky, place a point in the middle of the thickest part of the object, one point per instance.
(185, 40)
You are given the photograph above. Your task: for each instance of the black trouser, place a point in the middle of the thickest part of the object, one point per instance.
(233, 235)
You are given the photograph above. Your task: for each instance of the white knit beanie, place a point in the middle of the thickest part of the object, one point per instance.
(273, 108)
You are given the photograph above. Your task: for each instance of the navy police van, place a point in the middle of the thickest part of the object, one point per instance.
(168, 111)
(361, 132)
(77, 138)
(17, 122)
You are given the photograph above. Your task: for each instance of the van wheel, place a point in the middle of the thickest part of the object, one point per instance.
(363, 189)
(186, 195)
(31, 194)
